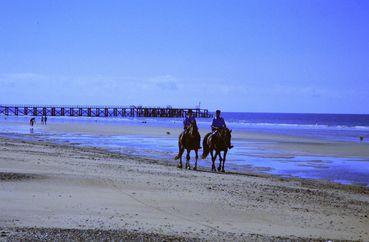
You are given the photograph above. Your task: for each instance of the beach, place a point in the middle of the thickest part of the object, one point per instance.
(102, 102)
(305, 152)
(61, 191)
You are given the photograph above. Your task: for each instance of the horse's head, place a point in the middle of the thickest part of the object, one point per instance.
(226, 136)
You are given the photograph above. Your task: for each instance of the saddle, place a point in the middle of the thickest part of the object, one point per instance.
(216, 133)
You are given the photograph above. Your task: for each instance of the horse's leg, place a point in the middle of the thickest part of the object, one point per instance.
(220, 161)
(180, 153)
(212, 160)
(224, 158)
(215, 158)
(196, 158)
(188, 166)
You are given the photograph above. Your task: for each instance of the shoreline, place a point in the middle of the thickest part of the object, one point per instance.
(168, 162)
(227, 206)
(262, 153)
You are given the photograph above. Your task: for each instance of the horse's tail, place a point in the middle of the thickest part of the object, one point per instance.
(205, 147)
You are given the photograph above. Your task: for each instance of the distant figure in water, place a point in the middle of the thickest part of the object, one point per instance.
(361, 138)
(32, 121)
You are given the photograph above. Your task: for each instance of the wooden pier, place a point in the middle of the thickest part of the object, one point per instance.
(99, 111)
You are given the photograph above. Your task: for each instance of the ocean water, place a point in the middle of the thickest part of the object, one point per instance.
(344, 127)
(301, 119)
(247, 156)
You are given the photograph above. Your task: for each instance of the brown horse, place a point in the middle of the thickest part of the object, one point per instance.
(218, 142)
(188, 140)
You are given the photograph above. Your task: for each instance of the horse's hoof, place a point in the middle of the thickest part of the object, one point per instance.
(195, 168)
(223, 170)
(219, 169)
(179, 166)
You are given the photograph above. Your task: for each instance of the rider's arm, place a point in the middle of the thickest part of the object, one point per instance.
(224, 124)
(213, 124)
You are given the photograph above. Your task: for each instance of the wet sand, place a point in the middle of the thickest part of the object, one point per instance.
(59, 191)
(289, 145)
(293, 145)
(259, 151)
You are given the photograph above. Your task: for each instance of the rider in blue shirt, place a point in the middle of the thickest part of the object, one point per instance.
(188, 120)
(219, 123)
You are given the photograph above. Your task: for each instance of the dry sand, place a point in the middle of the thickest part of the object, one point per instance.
(62, 192)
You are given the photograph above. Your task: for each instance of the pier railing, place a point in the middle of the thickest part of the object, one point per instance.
(99, 111)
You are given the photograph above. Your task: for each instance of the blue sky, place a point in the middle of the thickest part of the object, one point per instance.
(263, 56)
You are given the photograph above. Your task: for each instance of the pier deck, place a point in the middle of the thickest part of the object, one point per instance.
(99, 111)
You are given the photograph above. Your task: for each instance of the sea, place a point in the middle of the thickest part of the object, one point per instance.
(343, 127)
(248, 156)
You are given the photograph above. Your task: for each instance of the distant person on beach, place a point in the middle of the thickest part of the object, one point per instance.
(187, 122)
(219, 123)
(42, 119)
(45, 120)
(32, 121)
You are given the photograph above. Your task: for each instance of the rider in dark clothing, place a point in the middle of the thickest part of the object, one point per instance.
(219, 123)
(189, 120)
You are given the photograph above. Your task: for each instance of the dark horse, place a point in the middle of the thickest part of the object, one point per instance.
(188, 140)
(218, 142)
